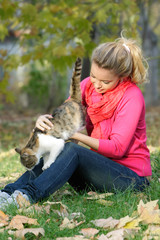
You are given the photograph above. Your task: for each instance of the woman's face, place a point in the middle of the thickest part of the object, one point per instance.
(103, 80)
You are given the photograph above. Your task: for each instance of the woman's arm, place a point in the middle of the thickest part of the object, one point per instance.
(89, 141)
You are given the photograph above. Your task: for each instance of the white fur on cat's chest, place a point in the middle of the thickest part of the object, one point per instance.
(51, 145)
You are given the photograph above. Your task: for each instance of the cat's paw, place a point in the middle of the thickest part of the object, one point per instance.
(46, 166)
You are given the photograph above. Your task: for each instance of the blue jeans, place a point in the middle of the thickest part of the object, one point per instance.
(82, 168)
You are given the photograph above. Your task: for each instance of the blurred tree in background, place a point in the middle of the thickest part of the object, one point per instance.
(52, 33)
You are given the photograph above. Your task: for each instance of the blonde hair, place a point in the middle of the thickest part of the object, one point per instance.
(124, 57)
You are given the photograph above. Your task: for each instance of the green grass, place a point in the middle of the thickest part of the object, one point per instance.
(123, 203)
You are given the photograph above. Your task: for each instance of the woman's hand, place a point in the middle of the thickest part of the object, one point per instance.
(43, 123)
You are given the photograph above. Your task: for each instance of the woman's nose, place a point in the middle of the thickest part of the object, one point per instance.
(97, 84)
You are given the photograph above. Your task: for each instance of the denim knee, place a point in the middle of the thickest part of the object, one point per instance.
(70, 146)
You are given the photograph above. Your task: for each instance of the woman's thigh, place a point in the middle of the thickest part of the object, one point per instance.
(101, 173)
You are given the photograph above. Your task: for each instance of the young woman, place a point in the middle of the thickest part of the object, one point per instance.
(117, 157)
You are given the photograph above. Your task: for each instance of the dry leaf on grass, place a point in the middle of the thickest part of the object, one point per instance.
(119, 234)
(66, 223)
(104, 202)
(105, 223)
(149, 212)
(2, 230)
(21, 233)
(102, 237)
(115, 235)
(133, 224)
(22, 202)
(18, 221)
(3, 219)
(89, 232)
(150, 217)
(150, 206)
(96, 196)
(152, 231)
(123, 221)
(58, 208)
(76, 237)
(35, 208)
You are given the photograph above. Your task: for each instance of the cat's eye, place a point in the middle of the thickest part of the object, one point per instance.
(24, 154)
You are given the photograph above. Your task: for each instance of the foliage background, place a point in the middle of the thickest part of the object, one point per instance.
(43, 39)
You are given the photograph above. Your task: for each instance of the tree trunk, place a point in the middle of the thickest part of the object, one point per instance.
(150, 46)
(151, 52)
(85, 68)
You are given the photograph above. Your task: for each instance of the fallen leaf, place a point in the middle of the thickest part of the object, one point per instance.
(116, 235)
(35, 208)
(89, 232)
(2, 230)
(96, 196)
(119, 234)
(21, 233)
(76, 215)
(102, 237)
(3, 216)
(123, 221)
(22, 202)
(150, 217)
(153, 230)
(133, 224)
(76, 237)
(58, 208)
(105, 223)
(150, 206)
(91, 193)
(18, 221)
(104, 202)
(3, 219)
(66, 223)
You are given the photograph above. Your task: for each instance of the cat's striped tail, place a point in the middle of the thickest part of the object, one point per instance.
(75, 91)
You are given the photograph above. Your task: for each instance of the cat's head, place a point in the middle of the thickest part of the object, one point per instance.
(27, 157)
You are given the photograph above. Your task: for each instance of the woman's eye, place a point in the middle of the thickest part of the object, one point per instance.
(106, 82)
(92, 76)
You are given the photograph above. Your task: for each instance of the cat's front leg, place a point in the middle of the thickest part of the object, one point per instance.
(47, 165)
(45, 157)
(55, 151)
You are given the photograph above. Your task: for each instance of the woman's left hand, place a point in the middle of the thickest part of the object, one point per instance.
(43, 123)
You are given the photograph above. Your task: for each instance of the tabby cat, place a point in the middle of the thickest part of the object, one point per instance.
(67, 119)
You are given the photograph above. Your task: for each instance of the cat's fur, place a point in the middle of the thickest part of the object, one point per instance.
(67, 119)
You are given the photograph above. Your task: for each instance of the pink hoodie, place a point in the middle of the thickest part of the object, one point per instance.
(125, 132)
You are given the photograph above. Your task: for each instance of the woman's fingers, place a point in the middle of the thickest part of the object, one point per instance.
(43, 122)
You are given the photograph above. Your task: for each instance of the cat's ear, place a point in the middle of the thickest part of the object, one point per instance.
(18, 150)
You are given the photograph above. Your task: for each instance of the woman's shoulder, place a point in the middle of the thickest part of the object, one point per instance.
(133, 92)
(84, 82)
(132, 98)
(83, 85)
